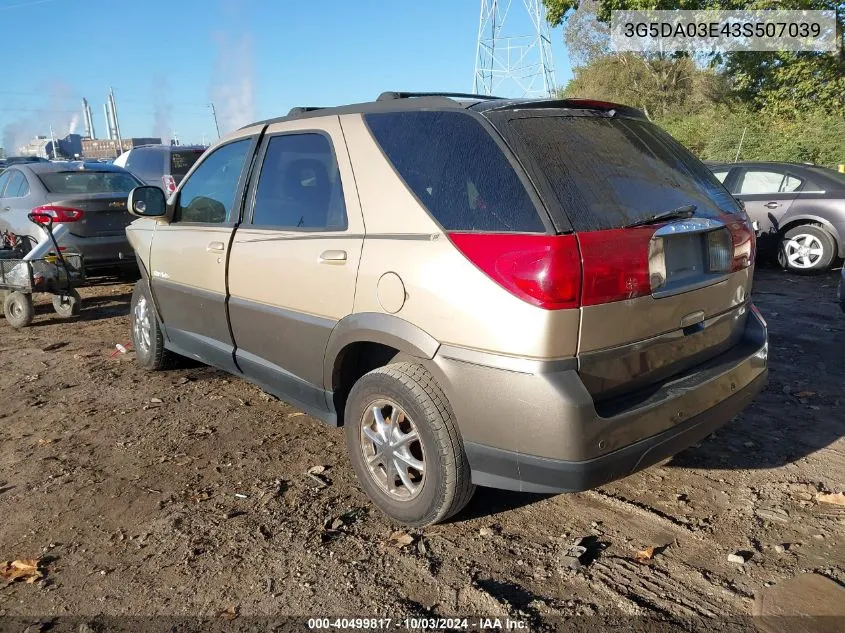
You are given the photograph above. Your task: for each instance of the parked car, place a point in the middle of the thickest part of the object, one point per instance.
(840, 291)
(18, 160)
(89, 197)
(531, 295)
(160, 165)
(800, 209)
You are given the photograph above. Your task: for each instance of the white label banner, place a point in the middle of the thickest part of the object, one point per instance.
(723, 31)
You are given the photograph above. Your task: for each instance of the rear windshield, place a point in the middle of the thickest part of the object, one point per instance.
(456, 169)
(88, 182)
(610, 172)
(181, 162)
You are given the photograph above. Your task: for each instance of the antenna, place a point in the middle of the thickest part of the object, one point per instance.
(514, 50)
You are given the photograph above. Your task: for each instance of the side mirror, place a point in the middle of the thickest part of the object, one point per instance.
(147, 202)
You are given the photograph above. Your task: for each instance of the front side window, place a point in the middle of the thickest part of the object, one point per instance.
(455, 168)
(299, 187)
(721, 175)
(208, 196)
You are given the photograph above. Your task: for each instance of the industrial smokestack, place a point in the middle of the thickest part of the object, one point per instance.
(108, 120)
(89, 121)
(115, 120)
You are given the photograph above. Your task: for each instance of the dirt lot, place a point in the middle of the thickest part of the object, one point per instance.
(185, 493)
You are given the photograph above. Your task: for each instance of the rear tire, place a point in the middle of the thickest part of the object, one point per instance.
(67, 305)
(807, 248)
(415, 470)
(147, 337)
(18, 309)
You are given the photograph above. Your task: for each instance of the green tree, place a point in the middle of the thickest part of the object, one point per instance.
(783, 83)
(658, 85)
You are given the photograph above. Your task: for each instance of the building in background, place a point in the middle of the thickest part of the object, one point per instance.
(45, 147)
(112, 148)
(2, 153)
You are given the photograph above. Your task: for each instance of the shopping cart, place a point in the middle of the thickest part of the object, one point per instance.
(56, 273)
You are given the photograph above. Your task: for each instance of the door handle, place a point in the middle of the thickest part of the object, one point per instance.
(215, 247)
(333, 257)
(772, 205)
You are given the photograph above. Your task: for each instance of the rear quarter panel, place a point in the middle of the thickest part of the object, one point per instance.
(445, 294)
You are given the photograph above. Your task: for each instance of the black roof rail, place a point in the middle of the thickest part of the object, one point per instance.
(304, 109)
(389, 96)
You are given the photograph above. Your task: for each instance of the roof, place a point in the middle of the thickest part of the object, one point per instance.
(405, 101)
(46, 168)
(758, 163)
(170, 147)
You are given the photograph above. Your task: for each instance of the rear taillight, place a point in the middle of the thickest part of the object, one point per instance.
(616, 264)
(59, 214)
(720, 251)
(543, 270)
(169, 183)
(744, 244)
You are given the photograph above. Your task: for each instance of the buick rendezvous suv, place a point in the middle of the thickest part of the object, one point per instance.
(531, 295)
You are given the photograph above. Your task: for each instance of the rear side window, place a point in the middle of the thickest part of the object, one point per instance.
(147, 162)
(182, 161)
(18, 187)
(456, 169)
(88, 182)
(299, 187)
(607, 173)
(761, 181)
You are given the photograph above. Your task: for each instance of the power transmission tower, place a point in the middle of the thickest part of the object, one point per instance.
(514, 50)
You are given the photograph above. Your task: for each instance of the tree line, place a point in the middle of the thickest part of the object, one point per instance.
(786, 106)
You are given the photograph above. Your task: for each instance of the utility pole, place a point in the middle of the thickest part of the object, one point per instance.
(513, 58)
(214, 114)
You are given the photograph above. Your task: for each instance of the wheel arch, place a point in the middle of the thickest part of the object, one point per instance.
(365, 341)
(798, 220)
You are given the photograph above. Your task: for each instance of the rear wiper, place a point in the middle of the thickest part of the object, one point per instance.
(685, 211)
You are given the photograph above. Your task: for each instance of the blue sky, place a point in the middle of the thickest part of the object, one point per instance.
(166, 60)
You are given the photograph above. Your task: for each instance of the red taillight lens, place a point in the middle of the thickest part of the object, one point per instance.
(615, 264)
(543, 270)
(169, 183)
(59, 214)
(744, 244)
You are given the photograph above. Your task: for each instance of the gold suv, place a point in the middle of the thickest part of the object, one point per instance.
(530, 295)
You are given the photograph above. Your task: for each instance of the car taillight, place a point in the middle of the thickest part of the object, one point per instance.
(59, 214)
(616, 264)
(720, 251)
(169, 183)
(543, 270)
(744, 244)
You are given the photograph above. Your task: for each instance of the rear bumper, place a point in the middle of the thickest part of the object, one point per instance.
(536, 429)
(102, 252)
(512, 471)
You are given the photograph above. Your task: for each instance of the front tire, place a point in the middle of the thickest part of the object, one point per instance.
(18, 309)
(405, 447)
(807, 248)
(147, 337)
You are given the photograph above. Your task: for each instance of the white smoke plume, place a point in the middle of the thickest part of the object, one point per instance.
(163, 111)
(233, 89)
(74, 121)
(56, 110)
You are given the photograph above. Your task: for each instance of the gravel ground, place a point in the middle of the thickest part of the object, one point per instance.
(185, 493)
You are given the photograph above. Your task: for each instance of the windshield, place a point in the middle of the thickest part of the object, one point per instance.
(181, 162)
(88, 182)
(608, 173)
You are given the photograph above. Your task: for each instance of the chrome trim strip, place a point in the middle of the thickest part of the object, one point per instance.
(692, 225)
